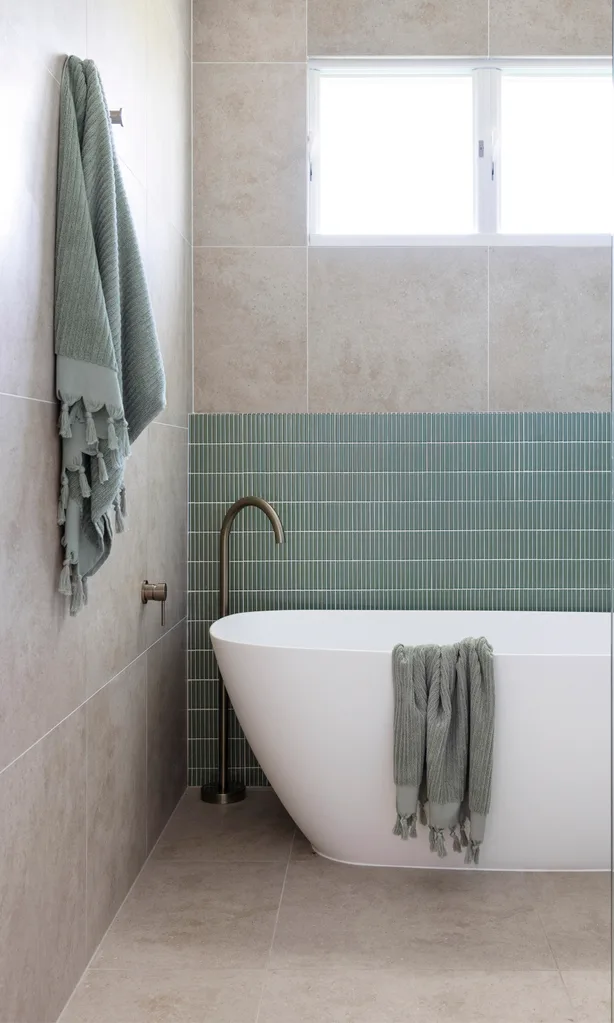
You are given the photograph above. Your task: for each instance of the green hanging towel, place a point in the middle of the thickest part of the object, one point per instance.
(109, 373)
(444, 724)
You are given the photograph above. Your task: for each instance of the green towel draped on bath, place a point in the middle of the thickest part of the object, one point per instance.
(109, 373)
(444, 711)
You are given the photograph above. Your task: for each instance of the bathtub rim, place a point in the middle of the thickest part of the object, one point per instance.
(221, 626)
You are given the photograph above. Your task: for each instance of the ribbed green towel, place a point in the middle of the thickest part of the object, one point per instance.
(444, 721)
(109, 373)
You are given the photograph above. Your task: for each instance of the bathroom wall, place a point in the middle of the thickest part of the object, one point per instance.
(92, 709)
(283, 328)
(490, 511)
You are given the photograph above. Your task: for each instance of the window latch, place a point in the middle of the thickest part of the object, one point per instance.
(481, 148)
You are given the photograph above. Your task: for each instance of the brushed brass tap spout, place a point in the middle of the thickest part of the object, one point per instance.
(224, 791)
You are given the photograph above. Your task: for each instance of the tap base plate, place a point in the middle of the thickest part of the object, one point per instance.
(212, 794)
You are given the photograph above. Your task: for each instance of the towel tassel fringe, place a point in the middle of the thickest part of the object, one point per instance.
(455, 839)
(78, 600)
(423, 817)
(64, 423)
(111, 435)
(102, 469)
(65, 587)
(91, 437)
(402, 826)
(437, 842)
(83, 483)
(63, 500)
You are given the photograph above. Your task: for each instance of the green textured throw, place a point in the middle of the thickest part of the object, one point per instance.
(109, 373)
(444, 720)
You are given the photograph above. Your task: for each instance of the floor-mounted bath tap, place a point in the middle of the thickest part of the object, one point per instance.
(225, 791)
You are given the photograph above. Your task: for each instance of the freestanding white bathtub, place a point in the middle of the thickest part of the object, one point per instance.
(313, 692)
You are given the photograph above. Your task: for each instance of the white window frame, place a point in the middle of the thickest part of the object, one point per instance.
(487, 118)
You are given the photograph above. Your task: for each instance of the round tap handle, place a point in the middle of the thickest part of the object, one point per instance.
(155, 591)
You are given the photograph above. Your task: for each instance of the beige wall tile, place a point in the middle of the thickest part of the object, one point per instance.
(250, 154)
(550, 329)
(42, 875)
(167, 278)
(117, 43)
(398, 27)
(115, 591)
(167, 530)
(550, 28)
(397, 330)
(27, 224)
(41, 648)
(166, 729)
(250, 346)
(168, 118)
(116, 795)
(249, 30)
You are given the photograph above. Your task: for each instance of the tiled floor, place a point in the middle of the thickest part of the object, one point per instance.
(234, 920)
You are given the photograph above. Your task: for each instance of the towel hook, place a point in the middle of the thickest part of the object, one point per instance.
(117, 116)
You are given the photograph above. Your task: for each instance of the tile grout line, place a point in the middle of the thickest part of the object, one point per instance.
(92, 695)
(268, 962)
(27, 397)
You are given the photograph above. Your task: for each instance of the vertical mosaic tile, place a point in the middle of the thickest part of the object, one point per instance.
(493, 511)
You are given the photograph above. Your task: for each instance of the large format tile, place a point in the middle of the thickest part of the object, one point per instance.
(117, 42)
(397, 27)
(41, 648)
(42, 876)
(167, 530)
(339, 917)
(250, 330)
(27, 223)
(116, 795)
(400, 996)
(397, 330)
(250, 175)
(168, 282)
(115, 591)
(166, 729)
(249, 30)
(591, 994)
(168, 118)
(43, 33)
(177, 996)
(196, 916)
(182, 13)
(550, 28)
(550, 325)
(257, 830)
(575, 910)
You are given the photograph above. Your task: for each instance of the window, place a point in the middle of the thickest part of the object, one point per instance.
(425, 150)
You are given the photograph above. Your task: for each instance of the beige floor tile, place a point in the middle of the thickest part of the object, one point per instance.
(178, 996)
(257, 830)
(387, 996)
(337, 916)
(591, 994)
(575, 912)
(196, 916)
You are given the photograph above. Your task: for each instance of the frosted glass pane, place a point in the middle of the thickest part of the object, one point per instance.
(396, 155)
(557, 154)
